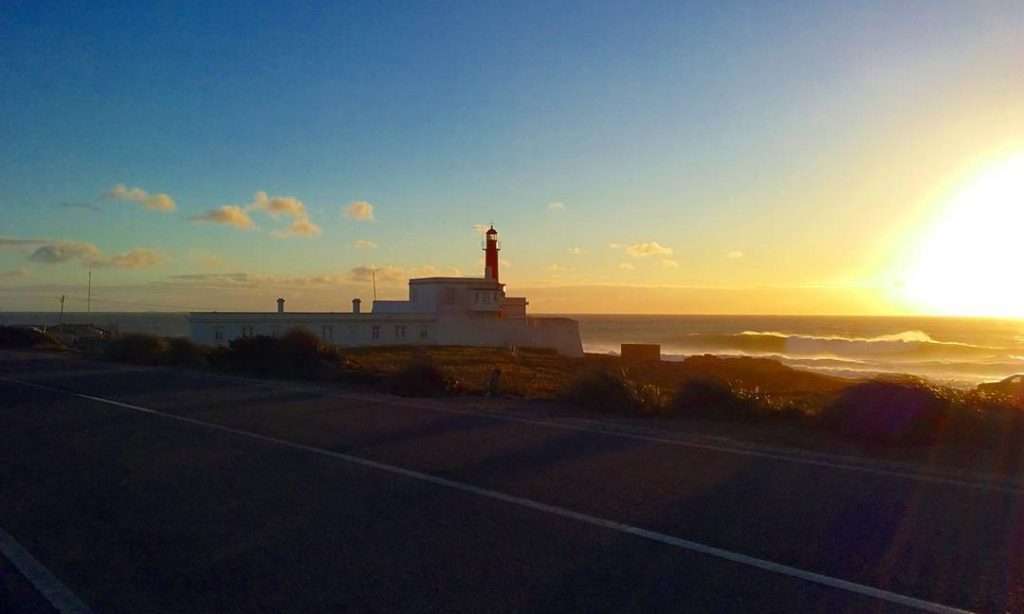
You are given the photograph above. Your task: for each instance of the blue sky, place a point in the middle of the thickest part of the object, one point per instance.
(759, 143)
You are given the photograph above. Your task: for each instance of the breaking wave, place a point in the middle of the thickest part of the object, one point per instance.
(912, 345)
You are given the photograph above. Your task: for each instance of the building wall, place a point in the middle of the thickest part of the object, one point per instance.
(351, 330)
(341, 329)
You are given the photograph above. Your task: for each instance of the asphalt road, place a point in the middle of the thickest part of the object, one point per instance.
(371, 504)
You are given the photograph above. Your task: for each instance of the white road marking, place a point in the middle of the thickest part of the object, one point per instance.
(42, 579)
(662, 538)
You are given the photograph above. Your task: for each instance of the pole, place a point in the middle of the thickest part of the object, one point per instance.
(88, 300)
(373, 279)
(61, 319)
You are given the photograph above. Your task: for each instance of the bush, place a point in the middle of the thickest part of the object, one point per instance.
(889, 413)
(611, 392)
(136, 349)
(713, 398)
(21, 338)
(181, 352)
(301, 354)
(420, 378)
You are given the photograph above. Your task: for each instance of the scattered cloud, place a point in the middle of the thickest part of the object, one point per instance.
(87, 206)
(626, 266)
(556, 206)
(63, 251)
(669, 264)
(576, 251)
(360, 211)
(154, 202)
(230, 215)
(206, 259)
(138, 258)
(301, 227)
(735, 254)
(290, 207)
(14, 274)
(480, 229)
(615, 245)
(279, 205)
(384, 274)
(364, 244)
(48, 251)
(652, 248)
(558, 268)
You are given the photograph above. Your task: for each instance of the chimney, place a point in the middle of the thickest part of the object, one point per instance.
(280, 305)
(356, 305)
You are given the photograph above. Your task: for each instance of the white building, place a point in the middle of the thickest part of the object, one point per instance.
(440, 311)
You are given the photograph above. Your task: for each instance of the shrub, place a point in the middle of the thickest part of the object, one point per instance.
(610, 392)
(301, 354)
(420, 378)
(136, 349)
(18, 337)
(888, 413)
(713, 398)
(258, 355)
(181, 352)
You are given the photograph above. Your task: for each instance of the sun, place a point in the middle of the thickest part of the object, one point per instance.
(971, 261)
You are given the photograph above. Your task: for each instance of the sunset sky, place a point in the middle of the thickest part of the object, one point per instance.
(800, 158)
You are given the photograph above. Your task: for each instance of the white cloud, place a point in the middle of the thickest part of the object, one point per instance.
(576, 251)
(231, 215)
(558, 268)
(735, 254)
(481, 229)
(154, 202)
(669, 264)
(652, 248)
(360, 211)
(364, 244)
(626, 266)
(556, 206)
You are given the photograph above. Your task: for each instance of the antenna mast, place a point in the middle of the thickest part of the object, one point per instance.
(373, 280)
(88, 299)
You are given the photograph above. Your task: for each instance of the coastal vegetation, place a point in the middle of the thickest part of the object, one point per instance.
(898, 411)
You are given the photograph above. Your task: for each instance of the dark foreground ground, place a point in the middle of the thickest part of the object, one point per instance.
(139, 512)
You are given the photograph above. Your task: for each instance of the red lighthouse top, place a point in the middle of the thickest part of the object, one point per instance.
(491, 254)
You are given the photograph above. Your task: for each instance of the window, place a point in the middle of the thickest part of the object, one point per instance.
(400, 331)
(375, 332)
(476, 297)
(487, 297)
(327, 333)
(423, 332)
(218, 334)
(248, 331)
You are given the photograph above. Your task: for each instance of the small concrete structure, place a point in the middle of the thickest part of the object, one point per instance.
(471, 311)
(640, 352)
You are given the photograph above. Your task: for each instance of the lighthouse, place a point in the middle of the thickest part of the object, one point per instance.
(491, 254)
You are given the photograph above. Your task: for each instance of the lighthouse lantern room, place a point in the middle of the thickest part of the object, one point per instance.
(491, 249)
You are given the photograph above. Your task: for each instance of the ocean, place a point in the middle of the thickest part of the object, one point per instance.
(955, 351)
